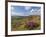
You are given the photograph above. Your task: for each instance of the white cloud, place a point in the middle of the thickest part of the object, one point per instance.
(31, 10)
(27, 7)
(17, 14)
(35, 12)
(14, 13)
(12, 8)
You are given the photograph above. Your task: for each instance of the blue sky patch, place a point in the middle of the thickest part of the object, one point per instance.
(25, 10)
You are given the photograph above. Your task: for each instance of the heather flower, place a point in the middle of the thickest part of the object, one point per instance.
(31, 24)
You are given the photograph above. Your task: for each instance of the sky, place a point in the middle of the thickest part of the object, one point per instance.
(25, 10)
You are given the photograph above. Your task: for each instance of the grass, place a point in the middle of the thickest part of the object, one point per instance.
(21, 23)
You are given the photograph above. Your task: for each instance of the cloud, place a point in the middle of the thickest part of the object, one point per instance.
(35, 12)
(31, 12)
(14, 13)
(27, 7)
(12, 8)
(17, 14)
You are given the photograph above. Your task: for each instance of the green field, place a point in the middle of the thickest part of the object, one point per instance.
(19, 23)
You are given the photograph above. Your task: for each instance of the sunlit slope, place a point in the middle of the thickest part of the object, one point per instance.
(25, 23)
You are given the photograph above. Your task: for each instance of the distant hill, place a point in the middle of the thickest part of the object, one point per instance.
(21, 17)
